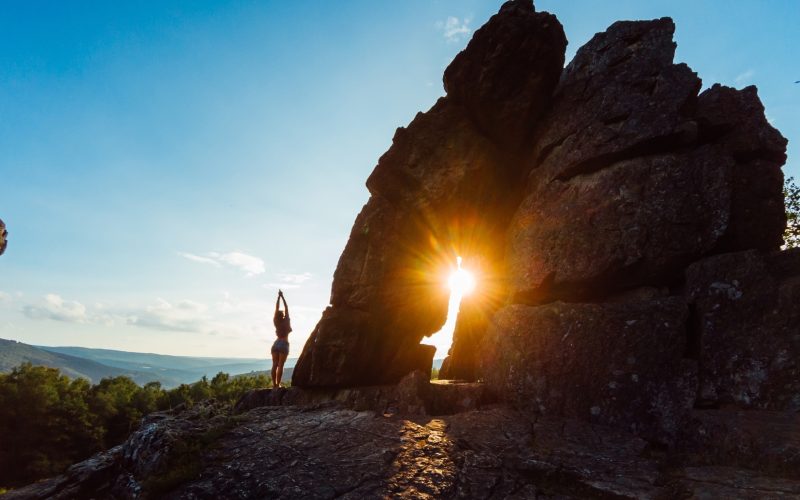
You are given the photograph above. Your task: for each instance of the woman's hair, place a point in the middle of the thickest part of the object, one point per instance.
(278, 314)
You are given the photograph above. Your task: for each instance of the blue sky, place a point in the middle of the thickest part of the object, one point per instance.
(166, 165)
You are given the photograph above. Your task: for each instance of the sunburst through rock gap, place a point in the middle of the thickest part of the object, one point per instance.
(461, 282)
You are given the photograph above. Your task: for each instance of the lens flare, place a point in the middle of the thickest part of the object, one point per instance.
(461, 281)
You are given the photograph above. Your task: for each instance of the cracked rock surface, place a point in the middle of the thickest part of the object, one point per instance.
(328, 451)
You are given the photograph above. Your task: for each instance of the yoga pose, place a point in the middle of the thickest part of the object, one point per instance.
(280, 348)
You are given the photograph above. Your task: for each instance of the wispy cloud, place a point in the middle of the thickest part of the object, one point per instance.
(162, 315)
(56, 308)
(745, 77)
(288, 281)
(198, 258)
(295, 278)
(183, 316)
(454, 29)
(250, 264)
(287, 286)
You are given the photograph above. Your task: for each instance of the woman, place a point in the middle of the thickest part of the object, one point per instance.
(280, 348)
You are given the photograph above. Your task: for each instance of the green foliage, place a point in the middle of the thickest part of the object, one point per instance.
(48, 422)
(791, 193)
(435, 374)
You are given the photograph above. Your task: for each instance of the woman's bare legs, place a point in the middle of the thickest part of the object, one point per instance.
(279, 369)
(276, 356)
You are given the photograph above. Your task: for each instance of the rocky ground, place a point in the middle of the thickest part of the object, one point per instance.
(328, 450)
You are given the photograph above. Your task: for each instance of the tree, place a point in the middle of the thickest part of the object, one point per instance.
(791, 193)
(45, 424)
(48, 422)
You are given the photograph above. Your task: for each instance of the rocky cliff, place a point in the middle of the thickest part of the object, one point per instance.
(635, 326)
(625, 228)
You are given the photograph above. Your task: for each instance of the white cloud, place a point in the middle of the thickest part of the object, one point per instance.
(56, 308)
(250, 264)
(4, 296)
(454, 29)
(198, 258)
(744, 78)
(294, 278)
(283, 286)
(183, 316)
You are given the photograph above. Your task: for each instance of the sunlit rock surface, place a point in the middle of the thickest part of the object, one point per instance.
(329, 450)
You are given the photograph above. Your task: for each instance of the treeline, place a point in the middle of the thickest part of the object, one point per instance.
(48, 421)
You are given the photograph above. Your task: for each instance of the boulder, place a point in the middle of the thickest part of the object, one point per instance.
(746, 312)
(619, 364)
(635, 223)
(621, 97)
(735, 120)
(507, 73)
(634, 176)
(435, 194)
(3, 237)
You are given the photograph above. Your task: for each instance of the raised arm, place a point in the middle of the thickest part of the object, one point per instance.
(278, 301)
(285, 305)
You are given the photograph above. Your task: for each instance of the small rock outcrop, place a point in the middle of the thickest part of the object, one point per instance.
(3, 237)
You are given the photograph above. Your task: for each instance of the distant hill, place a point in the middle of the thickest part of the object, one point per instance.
(13, 353)
(175, 369)
(171, 371)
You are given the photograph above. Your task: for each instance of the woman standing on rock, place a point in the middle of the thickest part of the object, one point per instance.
(280, 348)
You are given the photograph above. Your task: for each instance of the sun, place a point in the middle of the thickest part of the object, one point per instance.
(461, 281)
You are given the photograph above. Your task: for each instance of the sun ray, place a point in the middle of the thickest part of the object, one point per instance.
(461, 282)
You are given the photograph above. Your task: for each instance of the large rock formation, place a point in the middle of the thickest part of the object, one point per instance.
(585, 197)
(442, 189)
(634, 317)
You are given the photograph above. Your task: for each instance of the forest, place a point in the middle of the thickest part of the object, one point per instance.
(49, 421)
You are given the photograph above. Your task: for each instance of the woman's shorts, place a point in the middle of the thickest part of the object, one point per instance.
(280, 346)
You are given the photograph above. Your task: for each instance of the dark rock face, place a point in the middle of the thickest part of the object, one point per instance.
(633, 223)
(735, 120)
(581, 196)
(3, 236)
(767, 441)
(554, 360)
(505, 76)
(440, 190)
(584, 195)
(635, 176)
(747, 312)
(620, 97)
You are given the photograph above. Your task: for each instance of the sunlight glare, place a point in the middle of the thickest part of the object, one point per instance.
(461, 281)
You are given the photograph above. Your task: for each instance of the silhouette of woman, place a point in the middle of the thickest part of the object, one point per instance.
(280, 348)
